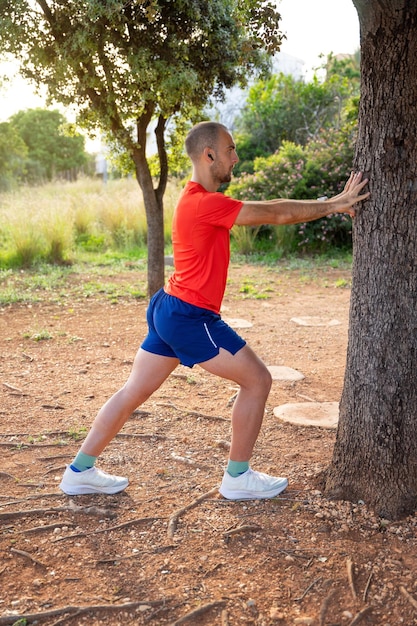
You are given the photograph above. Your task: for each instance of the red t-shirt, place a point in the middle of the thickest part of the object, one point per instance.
(201, 245)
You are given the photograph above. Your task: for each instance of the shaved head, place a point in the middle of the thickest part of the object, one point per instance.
(202, 135)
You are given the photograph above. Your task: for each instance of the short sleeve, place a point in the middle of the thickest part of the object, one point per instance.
(219, 210)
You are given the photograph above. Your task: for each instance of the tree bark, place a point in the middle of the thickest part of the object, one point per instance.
(375, 454)
(153, 200)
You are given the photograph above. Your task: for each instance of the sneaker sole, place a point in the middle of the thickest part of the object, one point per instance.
(87, 489)
(251, 495)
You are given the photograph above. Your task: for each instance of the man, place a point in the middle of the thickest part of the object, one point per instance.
(184, 325)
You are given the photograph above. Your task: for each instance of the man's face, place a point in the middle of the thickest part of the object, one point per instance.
(225, 158)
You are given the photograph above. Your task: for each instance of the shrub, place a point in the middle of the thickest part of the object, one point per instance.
(318, 169)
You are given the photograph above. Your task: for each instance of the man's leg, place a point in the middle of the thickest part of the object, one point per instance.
(149, 371)
(249, 372)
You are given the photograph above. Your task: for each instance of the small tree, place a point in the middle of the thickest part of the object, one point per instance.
(53, 149)
(125, 64)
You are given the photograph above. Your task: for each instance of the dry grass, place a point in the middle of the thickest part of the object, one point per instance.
(58, 220)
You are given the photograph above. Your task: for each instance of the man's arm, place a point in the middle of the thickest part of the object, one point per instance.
(283, 211)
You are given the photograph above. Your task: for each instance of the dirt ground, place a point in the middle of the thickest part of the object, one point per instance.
(170, 549)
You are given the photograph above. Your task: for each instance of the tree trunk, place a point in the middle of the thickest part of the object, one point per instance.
(375, 455)
(155, 231)
(153, 199)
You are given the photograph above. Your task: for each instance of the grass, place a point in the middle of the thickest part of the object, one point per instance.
(65, 241)
(41, 335)
(49, 283)
(63, 223)
(119, 279)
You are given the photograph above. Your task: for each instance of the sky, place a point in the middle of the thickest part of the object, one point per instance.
(312, 27)
(315, 27)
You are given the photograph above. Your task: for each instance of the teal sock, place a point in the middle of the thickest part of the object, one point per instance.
(82, 462)
(235, 468)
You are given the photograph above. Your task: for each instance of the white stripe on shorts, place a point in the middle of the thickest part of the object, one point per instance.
(209, 336)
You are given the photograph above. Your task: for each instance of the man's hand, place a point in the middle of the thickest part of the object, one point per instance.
(351, 194)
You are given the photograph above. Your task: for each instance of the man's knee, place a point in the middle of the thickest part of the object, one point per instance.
(262, 380)
(267, 379)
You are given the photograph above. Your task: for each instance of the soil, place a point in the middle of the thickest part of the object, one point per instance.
(170, 549)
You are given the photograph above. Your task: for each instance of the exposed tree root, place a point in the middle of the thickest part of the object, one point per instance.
(47, 527)
(325, 606)
(359, 617)
(305, 592)
(5, 475)
(13, 388)
(368, 583)
(187, 461)
(349, 565)
(140, 436)
(8, 620)
(28, 556)
(216, 418)
(110, 528)
(241, 529)
(33, 512)
(173, 520)
(197, 612)
(54, 407)
(88, 510)
(409, 597)
(36, 496)
(126, 557)
(225, 618)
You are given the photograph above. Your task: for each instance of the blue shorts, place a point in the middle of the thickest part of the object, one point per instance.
(187, 332)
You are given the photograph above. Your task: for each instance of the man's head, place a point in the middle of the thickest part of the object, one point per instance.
(212, 151)
(202, 135)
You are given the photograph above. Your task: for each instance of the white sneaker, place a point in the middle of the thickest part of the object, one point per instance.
(251, 485)
(92, 480)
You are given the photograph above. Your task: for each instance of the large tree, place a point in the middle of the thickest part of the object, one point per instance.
(375, 455)
(126, 63)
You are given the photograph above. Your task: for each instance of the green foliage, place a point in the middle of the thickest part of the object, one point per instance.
(275, 176)
(25, 246)
(98, 278)
(178, 161)
(53, 147)
(306, 172)
(41, 335)
(296, 139)
(13, 154)
(347, 66)
(117, 60)
(58, 236)
(282, 108)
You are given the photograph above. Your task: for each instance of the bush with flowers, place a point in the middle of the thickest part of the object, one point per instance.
(306, 172)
